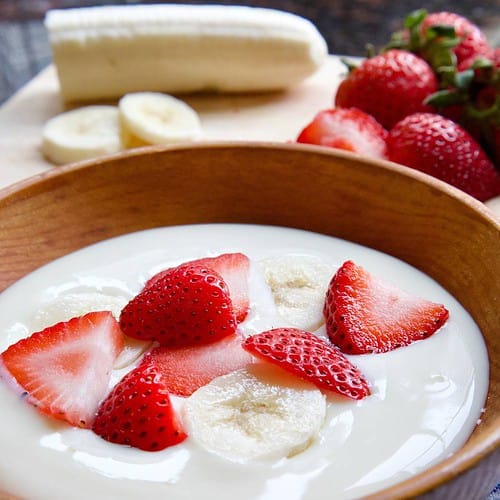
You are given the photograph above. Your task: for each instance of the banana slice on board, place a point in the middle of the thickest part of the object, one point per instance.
(256, 413)
(70, 305)
(298, 284)
(81, 134)
(155, 118)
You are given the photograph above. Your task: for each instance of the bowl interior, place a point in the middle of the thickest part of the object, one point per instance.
(424, 222)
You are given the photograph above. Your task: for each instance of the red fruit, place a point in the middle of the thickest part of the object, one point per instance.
(310, 358)
(365, 315)
(65, 369)
(234, 268)
(473, 39)
(187, 305)
(138, 412)
(389, 86)
(441, 148)
(349, 129)
(490, 54)
(186, 369)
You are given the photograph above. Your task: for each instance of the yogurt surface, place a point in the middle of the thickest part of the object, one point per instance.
(426, 398)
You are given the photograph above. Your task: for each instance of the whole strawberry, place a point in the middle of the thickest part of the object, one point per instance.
(472, 41)
(441, 148)
(388, 86)
(186, 305)
(471, 98)
(138, 412)
(348, 129)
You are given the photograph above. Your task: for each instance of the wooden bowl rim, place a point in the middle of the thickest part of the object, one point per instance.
(427, 480)
(402, 170)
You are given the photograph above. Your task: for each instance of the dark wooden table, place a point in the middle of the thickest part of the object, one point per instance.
(347, 25)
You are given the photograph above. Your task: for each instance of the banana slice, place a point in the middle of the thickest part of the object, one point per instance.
(155, 118)
(82, 133)
(298, 284)
(70, 305)
(255, 414)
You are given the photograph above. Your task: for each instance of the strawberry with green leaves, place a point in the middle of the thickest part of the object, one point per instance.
(467, 70)
(139, 413)
(471, 40)
(441, 38)
(363, 314)
(440, 147)
(64, 370)
(347, 129)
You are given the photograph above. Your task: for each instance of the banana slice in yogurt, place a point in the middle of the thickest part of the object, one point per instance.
(70, 305)
(255, 413)
(298, 284)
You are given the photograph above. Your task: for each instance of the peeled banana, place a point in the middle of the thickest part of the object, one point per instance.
(255, 414)
(105, 52)
(298, 285)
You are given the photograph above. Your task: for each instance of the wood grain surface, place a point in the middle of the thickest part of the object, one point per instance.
(429, 224)
(276, 116)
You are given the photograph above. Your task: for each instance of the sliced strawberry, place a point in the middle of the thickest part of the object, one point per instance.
(364, 315)
(139, 413)
(186, 369)
(187, 305)
(65, 369)
(348, 129)
(234, 268)
(310, 358)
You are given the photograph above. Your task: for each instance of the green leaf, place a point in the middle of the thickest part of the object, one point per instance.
(440, 57)
(463, 79)
(369, 50)
(449, 43)
(350, 66)
(440, 30)
(415, 18)
(444, 98)
(482, 63)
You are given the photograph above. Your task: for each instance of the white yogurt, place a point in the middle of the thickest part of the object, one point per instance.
(426, 399)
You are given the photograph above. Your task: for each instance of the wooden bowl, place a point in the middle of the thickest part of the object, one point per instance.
(434, 227)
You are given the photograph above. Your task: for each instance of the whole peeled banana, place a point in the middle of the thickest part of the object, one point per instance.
(105, 52)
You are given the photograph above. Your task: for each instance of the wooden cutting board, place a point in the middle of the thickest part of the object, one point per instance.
(266, 117)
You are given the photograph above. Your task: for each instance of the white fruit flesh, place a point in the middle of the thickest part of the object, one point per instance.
(103, 52)
(81, 134)
(71, 305)
(255, 414)
(67, 306)
(298, 284)
(155, 118)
